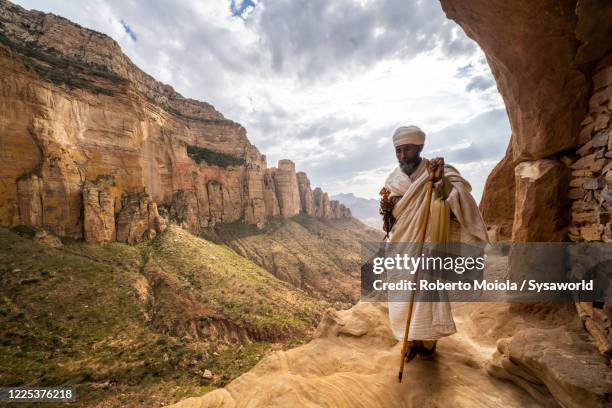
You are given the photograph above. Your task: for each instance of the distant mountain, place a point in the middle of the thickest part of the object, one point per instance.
(365, 209)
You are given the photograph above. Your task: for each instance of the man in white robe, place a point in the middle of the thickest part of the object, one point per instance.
(407, 185)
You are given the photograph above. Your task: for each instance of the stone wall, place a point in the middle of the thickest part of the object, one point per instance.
(591, 183)
(591, 197)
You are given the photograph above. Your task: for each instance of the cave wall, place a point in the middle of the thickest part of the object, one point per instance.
(591, 183)
(552, 62)
(544, 55)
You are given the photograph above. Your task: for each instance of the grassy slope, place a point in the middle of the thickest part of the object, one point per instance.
(137, 326)
(321, 256)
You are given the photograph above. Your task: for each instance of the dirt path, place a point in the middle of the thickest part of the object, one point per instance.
(537, 354)
(353, 362)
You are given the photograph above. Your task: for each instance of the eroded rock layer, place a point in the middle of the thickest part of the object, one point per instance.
(353, 362)
(76, 110)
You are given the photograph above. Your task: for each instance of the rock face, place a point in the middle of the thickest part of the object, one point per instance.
(76, 109)
(574, 128)
(29, 191)
(554, 362)
(541, 185)
(287, 190)
(185, 209)
(138, 219)
(525, 65)
(497, 203)
(321, 203)
(306, 198)
(570, 37)
(269, 194)
(98, 211)
(353, 362)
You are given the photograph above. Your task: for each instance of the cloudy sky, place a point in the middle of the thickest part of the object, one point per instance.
(323, 83)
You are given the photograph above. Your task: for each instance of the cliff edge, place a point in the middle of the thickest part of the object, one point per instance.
(95, 148)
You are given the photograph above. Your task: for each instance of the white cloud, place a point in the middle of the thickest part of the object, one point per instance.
(322, 83)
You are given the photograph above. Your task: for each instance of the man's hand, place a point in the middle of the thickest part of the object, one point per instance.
(386, 205)
(386, 210)
(435, 168)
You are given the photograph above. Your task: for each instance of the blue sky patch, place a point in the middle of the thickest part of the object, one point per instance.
(128, 30)
(238, 7)
(465, 71)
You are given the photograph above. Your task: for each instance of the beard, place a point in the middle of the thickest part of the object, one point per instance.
(409, 166)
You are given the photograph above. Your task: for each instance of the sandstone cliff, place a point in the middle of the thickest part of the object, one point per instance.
(94, 148)
(551, 62)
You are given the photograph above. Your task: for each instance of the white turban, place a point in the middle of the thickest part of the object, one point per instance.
(408, 135)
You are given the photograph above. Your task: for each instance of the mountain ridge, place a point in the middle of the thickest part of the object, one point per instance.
(365, 209)
(99, 150)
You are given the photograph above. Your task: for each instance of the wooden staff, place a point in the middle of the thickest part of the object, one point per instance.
(422, 233)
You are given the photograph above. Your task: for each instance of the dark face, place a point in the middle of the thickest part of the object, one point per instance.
(408, 156)
(408, 153)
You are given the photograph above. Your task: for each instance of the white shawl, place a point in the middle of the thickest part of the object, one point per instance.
(430, 320)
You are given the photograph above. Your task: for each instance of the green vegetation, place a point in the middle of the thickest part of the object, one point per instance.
(52, 66)
(202, 154)
(24, 230)
(321, 256)
(139, 325)
(166, 106)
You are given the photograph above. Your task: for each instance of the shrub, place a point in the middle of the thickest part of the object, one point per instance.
(52, 66)
(202, 154)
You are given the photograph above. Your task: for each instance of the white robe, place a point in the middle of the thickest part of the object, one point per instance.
(430, 320)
